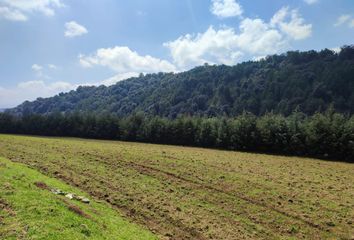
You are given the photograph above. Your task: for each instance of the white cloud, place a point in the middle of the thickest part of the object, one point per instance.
(258, 37)
(52, 66)
(73, 29)
(124, 60)
(211, 47)
(226, 8)
(118, 78)
(259, 58)
(226, 46)
(351, 23)
(310, 2)
(17, 10)
(345, 18)
(36, 67)
(295, 26)
(45, 7)
(336, 49)
(30, 91)
(12, 14)
(41, 85)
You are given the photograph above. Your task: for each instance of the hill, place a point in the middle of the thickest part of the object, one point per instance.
(183, 192)
(307, 81)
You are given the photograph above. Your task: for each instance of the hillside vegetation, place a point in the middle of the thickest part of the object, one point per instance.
(328, 136)
(307, 81)
(193, 193)
(29, 210)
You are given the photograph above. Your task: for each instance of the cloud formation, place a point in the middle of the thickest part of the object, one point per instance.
(36, 67)
(345, 19)
(226, 8)
(12, 14)
(52, 66)
(18, 10)
(310, 2)
(118, 78)
(123, 60)
(73, 29)
(291, 23)
(254, 38)
(41, 69)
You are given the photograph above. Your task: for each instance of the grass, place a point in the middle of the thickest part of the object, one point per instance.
(193, 193)
(31, 212)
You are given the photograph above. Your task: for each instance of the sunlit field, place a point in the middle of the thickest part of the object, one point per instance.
(194, 193)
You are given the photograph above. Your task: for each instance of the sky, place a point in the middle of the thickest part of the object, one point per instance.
(52, 46)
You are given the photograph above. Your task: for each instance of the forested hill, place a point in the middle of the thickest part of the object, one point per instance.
(307, 81)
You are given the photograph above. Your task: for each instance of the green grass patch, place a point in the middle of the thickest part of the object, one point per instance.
(30, 212)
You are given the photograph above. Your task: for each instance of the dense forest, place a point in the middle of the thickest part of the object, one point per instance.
(326, 135)
(306, 81)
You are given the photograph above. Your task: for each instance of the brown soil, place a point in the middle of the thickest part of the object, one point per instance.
(76, 209)
(42, 185)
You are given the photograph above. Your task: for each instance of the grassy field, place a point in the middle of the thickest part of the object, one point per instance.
(193, 193)
(29, 210)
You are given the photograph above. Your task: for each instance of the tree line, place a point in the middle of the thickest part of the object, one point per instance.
(328, 135)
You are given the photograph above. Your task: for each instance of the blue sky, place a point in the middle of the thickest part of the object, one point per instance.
(50, 46)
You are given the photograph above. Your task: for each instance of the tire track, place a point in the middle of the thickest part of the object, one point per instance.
(148, 169)
(151, 171)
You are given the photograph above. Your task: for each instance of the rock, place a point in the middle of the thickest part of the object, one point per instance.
(79, 198)
(58, 191)
(85, 200)
(69, 195)
(55, 191)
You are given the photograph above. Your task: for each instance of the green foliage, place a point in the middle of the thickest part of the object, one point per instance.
(244, 132)
(326, 135)
(273, 133)
(309, 81)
